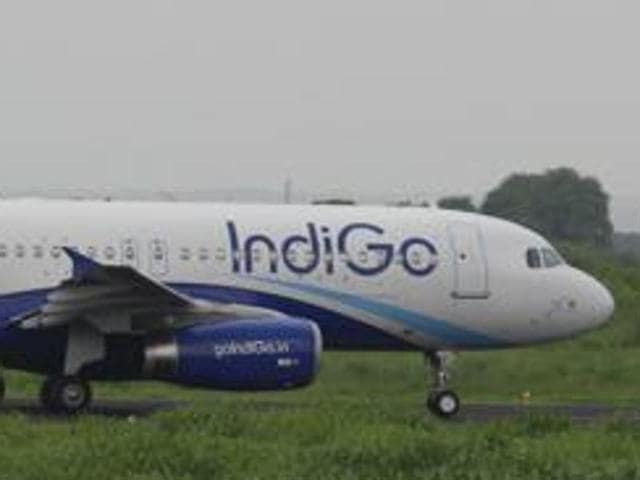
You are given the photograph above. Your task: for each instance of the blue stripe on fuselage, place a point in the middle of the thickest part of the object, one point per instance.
(426, 325)
(339, 331)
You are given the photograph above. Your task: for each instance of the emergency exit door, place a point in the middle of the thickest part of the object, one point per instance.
(158, 257)
(470, 268)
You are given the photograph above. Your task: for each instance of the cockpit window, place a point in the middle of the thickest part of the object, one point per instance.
(545, 257)
(533, 258)
(551, 258)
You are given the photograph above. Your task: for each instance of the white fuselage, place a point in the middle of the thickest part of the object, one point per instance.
(432, 278)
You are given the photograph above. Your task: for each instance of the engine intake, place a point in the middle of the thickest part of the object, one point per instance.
(256, 354)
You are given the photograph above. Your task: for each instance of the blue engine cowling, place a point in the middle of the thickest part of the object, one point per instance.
(255, 354)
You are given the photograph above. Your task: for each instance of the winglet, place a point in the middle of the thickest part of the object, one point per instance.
(83, 266)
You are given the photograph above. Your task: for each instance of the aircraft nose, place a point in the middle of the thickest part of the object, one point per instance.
(604, 304)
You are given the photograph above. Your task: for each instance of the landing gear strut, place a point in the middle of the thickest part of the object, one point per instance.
(65, 394)
(441, 401)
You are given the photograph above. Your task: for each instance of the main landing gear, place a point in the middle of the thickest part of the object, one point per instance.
(67, 392)
(441, 401)
(65, 395)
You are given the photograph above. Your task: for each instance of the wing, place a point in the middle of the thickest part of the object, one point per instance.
(121, 299)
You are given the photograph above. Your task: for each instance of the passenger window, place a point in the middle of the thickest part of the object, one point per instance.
(3, 251)
(203, 254)
(20, 251)
(38, 251)
(157, 250)
(110, 253)
(221, 254)
(551, 258)
(533, 258)
(56, 252)
(185, 254)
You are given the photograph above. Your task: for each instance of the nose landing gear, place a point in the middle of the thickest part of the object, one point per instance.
(441, 401)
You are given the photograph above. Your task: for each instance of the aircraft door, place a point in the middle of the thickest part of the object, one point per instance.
(158, 257)
(471, 273)
(129, 253)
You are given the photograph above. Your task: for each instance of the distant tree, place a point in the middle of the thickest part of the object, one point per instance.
(627, 245)
(409, 203)
(464, 204)
(559, 204)
(334, 201)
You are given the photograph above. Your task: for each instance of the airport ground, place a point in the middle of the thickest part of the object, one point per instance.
(365, 417)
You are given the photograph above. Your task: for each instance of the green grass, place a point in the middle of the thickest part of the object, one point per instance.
(364, 418)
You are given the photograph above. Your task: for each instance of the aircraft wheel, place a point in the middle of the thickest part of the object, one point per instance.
(3, 389)
(67, 395)
(445, 404)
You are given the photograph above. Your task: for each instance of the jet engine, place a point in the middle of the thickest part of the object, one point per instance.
(248, 354)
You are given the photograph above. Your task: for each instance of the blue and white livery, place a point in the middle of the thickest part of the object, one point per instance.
(244, 296)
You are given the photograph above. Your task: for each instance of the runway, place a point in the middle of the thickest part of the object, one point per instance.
(471, 413)
(581, 413)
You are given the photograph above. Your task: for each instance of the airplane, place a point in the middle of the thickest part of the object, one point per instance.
(246, 297)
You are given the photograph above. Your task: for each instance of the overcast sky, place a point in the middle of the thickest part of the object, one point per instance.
(365, 97)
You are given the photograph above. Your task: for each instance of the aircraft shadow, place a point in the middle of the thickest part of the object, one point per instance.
(123, 409)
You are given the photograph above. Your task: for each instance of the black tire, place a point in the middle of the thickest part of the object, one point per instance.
(444, 404)
(3, 389)
(65, 395)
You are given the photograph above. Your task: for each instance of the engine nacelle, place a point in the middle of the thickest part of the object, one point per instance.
(256, 354)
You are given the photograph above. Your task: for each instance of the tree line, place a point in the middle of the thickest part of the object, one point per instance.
(560, 204)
